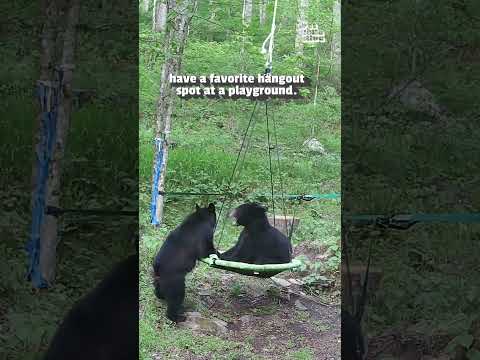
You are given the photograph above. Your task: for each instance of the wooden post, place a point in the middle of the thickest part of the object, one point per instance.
(285, 223)
(175, 41)
(48, 230)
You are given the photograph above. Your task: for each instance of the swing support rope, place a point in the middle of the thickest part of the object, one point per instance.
(263, 270)
(304, 197)
(235, 168)
(269, 52)
(403, 222)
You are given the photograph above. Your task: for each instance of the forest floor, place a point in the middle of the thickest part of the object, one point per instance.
(284, 325)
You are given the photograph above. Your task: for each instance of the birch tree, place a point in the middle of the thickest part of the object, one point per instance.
(49, 226)
(301, 24)
(159, 22)
(47, 63)
(145, 6)
(336, 41)
(247, 11)
(175, 41)
(210, 25)
(262, 8)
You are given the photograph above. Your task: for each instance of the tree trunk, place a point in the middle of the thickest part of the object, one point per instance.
(145, 6)
(263, 12)
(47, 62)
(159, 16)
(301, 24)
(175, 41)
(336, 44)
(210, 26)
(317, 77)
(247, 12)
(246, 20)
(48, 231)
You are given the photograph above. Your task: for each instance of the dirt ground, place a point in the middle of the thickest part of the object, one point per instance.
(276, 320)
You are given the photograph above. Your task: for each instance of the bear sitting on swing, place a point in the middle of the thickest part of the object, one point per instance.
(192, 240)
(259, 242)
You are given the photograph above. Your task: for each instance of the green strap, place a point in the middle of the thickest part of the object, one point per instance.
(405, 221)
(305, 197)
(310, 197)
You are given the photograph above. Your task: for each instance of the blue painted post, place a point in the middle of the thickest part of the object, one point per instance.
(157, 171)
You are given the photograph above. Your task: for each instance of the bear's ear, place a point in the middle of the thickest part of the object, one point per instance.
(197, 207)
(211, 207)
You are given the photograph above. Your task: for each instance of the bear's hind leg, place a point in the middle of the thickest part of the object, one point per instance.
(175, 295)
(159, 291)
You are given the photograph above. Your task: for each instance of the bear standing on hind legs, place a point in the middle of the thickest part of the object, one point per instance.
(259, 242)
(190, 241)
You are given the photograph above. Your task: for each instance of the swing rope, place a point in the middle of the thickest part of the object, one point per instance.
(233, 173)
(270, 163)
(247, 146)
(280, 176)
(269, 39)
(247, 137)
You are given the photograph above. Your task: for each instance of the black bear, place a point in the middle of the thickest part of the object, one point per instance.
(104, 324)
(189, 242)
(259, 242)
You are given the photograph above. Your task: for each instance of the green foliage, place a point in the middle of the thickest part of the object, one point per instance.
(236, 290)
(303, 354)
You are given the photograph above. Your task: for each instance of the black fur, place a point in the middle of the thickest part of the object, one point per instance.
(189, 242)
(104, 324)
(259, 242)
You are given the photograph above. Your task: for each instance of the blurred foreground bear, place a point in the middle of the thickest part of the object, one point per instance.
(104, 324)
(259, 242)
(189, 242)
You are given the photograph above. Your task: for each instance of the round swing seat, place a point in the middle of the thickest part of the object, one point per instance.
(262, 271)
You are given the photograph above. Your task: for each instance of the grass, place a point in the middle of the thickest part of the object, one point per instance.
(303, 354)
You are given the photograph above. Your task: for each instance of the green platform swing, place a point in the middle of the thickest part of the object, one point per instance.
(262, 271)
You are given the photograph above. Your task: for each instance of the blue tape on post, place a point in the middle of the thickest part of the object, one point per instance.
(157, 170)
(48, 122)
